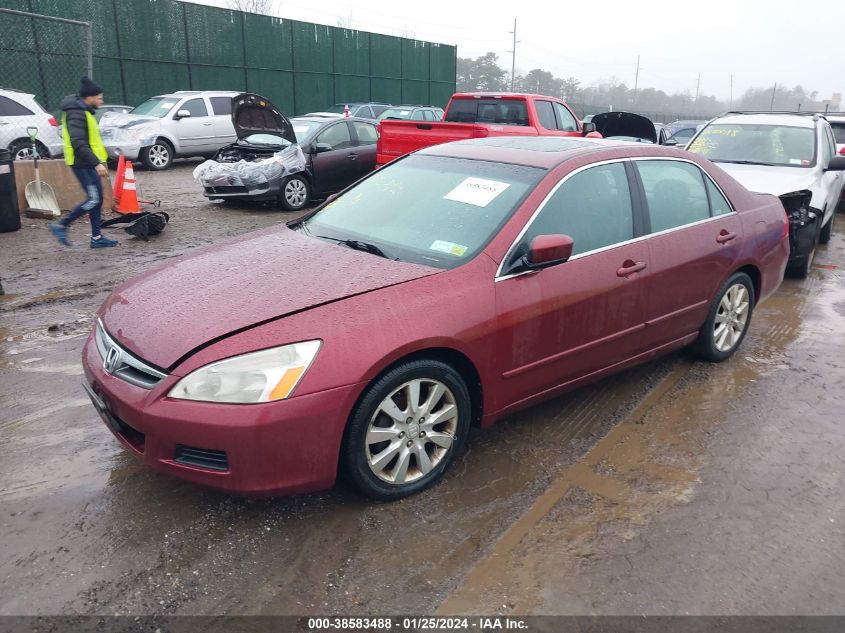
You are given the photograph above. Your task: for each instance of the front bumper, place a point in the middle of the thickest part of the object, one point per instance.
(282, 447)
(129, 150)
(271, 190)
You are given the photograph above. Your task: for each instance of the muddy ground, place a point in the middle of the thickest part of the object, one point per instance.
(677, 487)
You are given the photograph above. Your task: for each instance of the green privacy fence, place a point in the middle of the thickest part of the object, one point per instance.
(148, 47)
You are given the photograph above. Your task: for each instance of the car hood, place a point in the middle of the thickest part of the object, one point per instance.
(768, 179)
(127, 121)
(610, 124)
(253, 114)
(164, 315)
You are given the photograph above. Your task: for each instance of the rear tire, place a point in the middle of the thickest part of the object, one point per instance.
(21, 149)
(728, 319)
(158, 156)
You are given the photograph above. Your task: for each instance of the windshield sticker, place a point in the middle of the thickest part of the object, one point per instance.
(476, 191)
(448, 247)
(404, 112)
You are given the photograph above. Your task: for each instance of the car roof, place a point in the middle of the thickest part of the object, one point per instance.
(768, 118)
(18, 93)
(540, 151)
(195, 93)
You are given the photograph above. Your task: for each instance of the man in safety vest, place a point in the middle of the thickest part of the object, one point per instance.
(86, 155)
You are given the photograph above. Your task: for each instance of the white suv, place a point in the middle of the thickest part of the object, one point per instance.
(18, 111)
(183, 123)
(791, 155)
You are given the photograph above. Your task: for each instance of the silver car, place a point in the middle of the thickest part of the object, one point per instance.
(18, 111)
(180, 124)
(790, 155)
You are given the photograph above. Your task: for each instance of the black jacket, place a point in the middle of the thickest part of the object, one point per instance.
(77, 127)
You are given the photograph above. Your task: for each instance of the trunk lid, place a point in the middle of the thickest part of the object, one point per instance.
(625, 124)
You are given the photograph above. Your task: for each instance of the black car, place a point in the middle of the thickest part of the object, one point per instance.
(290, 161)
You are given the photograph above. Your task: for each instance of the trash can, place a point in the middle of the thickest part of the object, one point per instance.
(10, 215)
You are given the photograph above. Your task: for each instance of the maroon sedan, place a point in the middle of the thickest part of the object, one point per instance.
(449, 289)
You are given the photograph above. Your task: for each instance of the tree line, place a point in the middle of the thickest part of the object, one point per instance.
(485, 74)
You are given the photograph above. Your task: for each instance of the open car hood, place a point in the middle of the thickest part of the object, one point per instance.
(253, 114)
(611, 124)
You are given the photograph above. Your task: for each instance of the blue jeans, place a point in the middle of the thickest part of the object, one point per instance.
(93, 204)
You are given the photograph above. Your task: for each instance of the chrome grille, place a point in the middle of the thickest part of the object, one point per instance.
(118, 362)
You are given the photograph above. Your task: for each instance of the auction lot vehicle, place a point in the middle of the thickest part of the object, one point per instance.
(681, 132)
(18, 111)
(837, 123)
(788, 154)
(289, 161)
(479, 115)
(412, 113)
(180, 124)
(370, 110)
(368, 336)
(627, 126)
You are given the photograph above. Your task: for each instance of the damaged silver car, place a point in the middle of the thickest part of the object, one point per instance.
(287, 161)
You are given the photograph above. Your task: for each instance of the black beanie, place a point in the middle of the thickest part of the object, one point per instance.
(88, 88)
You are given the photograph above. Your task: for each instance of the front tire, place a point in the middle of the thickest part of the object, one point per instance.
(21, 149)
(728, 319)
(158, 156)
(296, 193)
(407, 430)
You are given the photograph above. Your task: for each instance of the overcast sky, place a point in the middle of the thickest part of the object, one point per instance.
(759, 42)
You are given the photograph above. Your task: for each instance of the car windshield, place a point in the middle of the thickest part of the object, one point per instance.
(430, 210)
(395, 113)
(157, 106)
(757, 144)
(302, 129)
(265, 139)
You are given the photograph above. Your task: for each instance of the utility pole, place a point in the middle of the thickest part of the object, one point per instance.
(513, 56)
(774, 90)
(697, 86)
(636, 79)
(731, 105)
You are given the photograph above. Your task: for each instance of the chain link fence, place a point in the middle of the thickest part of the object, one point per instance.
(583, 110)
(44, 55)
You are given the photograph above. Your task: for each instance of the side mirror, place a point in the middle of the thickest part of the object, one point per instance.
(548, 250)
(671, 142)
(183, 114)
(319, 148)
(587, 128)
(837, 163)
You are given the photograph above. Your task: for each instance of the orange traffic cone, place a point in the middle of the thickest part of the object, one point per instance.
(128, 200)
(118, 180)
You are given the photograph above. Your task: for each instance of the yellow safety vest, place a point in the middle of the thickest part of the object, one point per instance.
(94, 139)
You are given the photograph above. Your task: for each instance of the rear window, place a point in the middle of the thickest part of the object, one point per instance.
(498, 111)
(221, 105)
(8, 107)
(838, 132)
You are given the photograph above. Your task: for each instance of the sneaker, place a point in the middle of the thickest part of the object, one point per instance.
(60, 231)
(103, 242)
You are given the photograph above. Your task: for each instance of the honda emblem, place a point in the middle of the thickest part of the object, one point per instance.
(112, 361)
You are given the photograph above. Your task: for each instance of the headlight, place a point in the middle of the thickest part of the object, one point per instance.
(271, 374)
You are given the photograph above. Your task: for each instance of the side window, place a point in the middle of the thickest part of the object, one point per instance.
(439, 114)
(365, 112)
(195, 106)
(367, 134)
(428, 115)
(565, 120)
(379, 109)
(675, 193)
(12, 108)
(337, 136)
(417, 116)
(221, 105)
(546, 114)
(593, 207)
(718, 204)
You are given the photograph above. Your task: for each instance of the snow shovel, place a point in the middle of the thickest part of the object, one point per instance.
(39, 195)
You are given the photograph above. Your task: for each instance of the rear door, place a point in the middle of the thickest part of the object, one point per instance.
(224, 131)
(694, 241)
(365, 137)
(335, 169)
(568, 321)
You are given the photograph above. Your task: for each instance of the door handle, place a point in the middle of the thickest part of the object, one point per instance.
(630, 267)
(724, 237)
(207, 124)
(353, 155)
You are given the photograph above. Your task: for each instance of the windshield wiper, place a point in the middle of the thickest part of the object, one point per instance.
(741, 162)
(357, 245)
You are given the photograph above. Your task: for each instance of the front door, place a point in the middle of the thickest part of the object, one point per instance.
(571, 320)
(196, 132)
(366, 137)
(337, 168)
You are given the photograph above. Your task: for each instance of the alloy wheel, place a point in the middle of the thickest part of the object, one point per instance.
(411, 431)
(731, 318)
(24, 153)
(159, 156)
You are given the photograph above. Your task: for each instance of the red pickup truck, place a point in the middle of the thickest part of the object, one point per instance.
(480, 114)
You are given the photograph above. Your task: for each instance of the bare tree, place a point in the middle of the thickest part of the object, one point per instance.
(264, 7)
